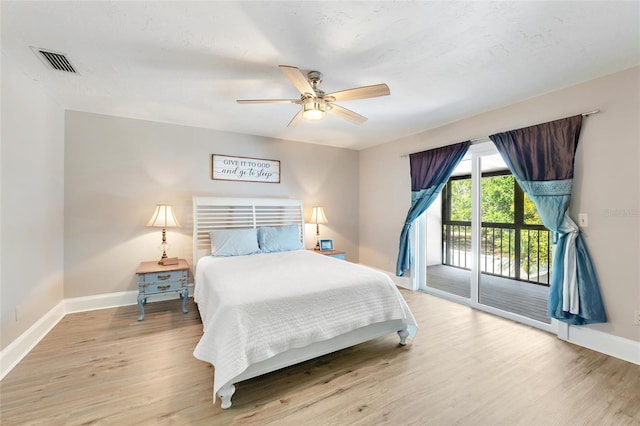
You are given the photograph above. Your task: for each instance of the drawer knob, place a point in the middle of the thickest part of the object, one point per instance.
(164, 277)
(163, 287)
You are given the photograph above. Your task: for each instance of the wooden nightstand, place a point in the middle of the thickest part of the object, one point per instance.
(158, 279)
(332, 253)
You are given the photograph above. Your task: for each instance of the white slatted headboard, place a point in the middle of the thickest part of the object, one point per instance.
(211, 213)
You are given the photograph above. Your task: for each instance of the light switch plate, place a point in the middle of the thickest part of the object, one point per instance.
(583, 220)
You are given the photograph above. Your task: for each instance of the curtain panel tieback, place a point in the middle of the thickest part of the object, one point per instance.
(542, 158)
(430, 171)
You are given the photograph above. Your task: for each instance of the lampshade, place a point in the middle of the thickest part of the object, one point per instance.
(312, 110)
(163, 217)
(318, 216)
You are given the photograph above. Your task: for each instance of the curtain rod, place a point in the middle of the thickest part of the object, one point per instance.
(486, 138)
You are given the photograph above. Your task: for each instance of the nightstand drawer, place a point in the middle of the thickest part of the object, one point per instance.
(161, 287)
(162, 277)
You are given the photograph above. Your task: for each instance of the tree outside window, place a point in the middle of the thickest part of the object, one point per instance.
(514, 243)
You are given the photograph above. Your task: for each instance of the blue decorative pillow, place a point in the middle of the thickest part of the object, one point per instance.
(281, 238)
(234, 242)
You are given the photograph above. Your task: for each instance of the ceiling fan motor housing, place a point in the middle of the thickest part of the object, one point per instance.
(315, 77)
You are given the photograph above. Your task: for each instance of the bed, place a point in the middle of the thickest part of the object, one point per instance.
(268, 304)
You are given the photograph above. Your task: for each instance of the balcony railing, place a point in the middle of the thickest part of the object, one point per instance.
(519, 253)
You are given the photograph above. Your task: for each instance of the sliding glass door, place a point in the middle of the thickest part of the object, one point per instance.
(484, 244)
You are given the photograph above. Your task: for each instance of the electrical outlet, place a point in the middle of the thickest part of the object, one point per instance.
(18, 312)
(636, 318)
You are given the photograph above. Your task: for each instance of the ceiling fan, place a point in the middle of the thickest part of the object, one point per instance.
(315, 103)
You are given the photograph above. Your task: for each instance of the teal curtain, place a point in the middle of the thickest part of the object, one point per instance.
(541, 158)
(430, 170)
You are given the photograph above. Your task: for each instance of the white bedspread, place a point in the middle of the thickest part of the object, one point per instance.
(254, 307)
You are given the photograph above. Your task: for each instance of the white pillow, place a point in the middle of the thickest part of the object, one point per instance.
(281, 238)
(234, 242)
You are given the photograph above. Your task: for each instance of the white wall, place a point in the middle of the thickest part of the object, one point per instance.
(32, 197)
(117, 170)
(606, 182)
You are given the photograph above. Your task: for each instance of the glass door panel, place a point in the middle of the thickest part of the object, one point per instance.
(449, 236)
(515, 248)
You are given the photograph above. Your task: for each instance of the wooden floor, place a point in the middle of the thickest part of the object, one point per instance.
(519, 297)
(464, 368)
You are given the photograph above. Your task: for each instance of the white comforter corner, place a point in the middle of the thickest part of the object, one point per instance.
(254, 307)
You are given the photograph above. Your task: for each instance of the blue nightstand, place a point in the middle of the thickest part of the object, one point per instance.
(156, 279)
(332, 253)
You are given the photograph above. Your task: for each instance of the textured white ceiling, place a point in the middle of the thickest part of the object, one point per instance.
(187, 62)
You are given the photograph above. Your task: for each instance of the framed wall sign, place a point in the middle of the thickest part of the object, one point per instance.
(224, 167)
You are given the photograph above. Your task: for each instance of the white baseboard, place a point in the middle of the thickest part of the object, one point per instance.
(114, 300)
(404, 282)
(608, 344)
(19, 348)
(619, 347)
(100, 301)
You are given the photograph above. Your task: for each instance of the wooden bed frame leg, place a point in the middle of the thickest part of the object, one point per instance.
(403, 336)
(225, 393)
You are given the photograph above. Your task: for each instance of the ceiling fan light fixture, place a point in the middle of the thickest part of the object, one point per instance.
(314, 110)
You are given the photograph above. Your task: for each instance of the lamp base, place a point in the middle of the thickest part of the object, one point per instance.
(164, 246)
(317, 247)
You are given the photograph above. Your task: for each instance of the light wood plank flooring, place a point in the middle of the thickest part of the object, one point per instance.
(464, 368)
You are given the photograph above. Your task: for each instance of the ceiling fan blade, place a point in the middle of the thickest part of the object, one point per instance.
(298, 79)
(347, 114)
(268, 101)
(361, 93)
(296, 119)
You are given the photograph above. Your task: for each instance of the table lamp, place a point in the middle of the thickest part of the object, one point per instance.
(163, 217)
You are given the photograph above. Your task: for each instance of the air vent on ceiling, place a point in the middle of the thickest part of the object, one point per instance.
(57, 61)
